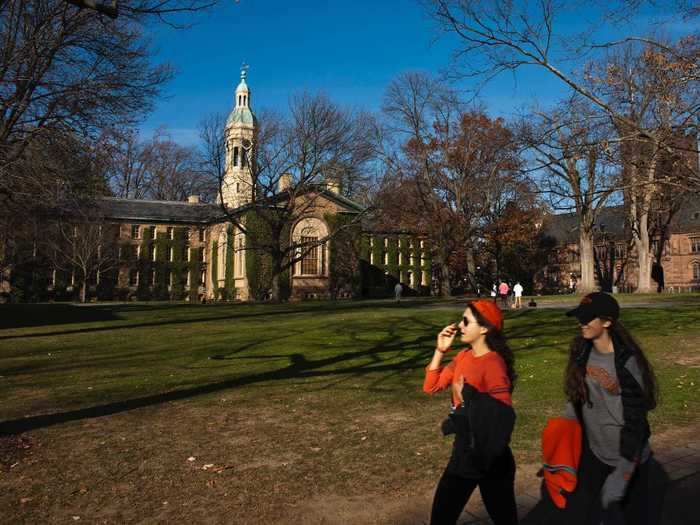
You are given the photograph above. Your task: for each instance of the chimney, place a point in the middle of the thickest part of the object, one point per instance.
(284, 183)
(193, 199)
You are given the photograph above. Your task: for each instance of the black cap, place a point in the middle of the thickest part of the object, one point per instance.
(596, 304)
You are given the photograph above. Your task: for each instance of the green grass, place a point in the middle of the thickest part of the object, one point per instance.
(317, 397)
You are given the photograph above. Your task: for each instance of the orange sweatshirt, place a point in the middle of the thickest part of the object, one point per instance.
(486, 373)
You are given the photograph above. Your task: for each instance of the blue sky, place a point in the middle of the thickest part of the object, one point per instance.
(348, 49)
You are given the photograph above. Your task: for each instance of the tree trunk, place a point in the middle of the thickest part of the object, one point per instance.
(275, 293)
(445, 278)
(641, 244)
(640, 221)
(83, 292)
(587, 283)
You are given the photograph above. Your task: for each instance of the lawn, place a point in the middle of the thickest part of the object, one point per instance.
(308, 413)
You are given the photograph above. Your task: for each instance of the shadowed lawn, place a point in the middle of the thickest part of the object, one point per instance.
(287, 410)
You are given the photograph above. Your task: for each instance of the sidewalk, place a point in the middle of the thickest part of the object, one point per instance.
(681, 462)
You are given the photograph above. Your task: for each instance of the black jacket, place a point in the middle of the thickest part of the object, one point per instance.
(635, 431)
(482, 427)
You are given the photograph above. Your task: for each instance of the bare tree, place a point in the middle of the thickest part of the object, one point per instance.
(570, 160)
(82, 244)
(509, 35)
(293, 161)
(457, 165)
(65, 75)
(413, 104)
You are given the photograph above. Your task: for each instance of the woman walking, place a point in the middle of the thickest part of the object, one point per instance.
(610, 387)
(481, 378)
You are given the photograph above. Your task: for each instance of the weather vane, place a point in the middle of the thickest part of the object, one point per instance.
(244, 70)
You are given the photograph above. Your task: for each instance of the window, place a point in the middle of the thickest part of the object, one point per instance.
(169, 253)
(152, 232)
(620, 251)
(309, 262)
(138, 251)
(152, 272)
(133, 277)
(411, 280)
(202, 278)
(696, 271)
(400, 258)
(189, 254)
(238, 265)
(386, 257)
(135, 233)
(235, 156)
(171, 233)
(202, 234)
(152, 252)
(189, 279)
(170, 280)
(371, 250)
(695, 245)
(200, 254)
(413, 259)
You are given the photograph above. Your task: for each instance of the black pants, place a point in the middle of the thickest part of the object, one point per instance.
(497, 492)
(641, 505)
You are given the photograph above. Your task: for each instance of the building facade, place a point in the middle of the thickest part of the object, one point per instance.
(677, 271)
(167, 250)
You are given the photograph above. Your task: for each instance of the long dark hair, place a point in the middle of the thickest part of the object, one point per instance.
(575, 385)
(496, 341)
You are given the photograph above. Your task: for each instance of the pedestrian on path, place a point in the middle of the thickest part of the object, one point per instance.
(481, 416)
(610, 387)
(518, 294)
(398, 289)
(503, 290)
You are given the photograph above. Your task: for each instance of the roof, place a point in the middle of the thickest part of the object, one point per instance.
(132, 210)
(241, 115)
(564, 227)
(177, 212)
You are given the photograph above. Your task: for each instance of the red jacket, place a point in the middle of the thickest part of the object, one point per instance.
(561, 452)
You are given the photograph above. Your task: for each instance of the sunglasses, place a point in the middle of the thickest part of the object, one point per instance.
(463, 320)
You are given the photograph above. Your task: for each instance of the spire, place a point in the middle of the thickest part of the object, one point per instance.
(242, 91)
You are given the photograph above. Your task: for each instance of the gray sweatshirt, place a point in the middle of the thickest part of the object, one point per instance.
(604, 418)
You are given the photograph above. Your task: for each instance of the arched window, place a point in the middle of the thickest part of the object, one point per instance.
(307, 234)
(235, 156)
(696, 271)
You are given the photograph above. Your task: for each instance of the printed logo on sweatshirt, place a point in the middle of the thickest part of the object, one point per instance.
(605, 380)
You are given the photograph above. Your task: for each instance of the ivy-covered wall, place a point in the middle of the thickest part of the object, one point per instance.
(384, 269)
(345, 253)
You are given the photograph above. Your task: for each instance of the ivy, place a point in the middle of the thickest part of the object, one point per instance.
(345, 253)
(258, 264)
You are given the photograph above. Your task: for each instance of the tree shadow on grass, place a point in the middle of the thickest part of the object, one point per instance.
(299, 367)
(34, 315)
(25, 316)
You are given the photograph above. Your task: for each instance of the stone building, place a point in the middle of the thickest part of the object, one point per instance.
(190, 250)
(679, 268)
